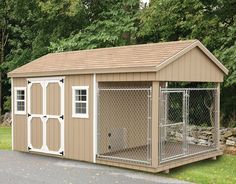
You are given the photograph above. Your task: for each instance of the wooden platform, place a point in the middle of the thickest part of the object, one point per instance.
(163, 166)
(142, 155)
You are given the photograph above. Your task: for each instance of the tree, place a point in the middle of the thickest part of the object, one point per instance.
(115, 25)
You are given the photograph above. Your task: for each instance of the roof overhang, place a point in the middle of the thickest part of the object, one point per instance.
(85, 71)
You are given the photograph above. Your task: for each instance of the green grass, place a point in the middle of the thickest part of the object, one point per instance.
(5, 138)
(220, 171)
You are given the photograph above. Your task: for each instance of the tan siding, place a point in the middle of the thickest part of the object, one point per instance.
(36, 99)
(78, 131)
(36, 133)
(144, 76)
(20, 121)
(194, 66)
(53, 99)
(53, 134)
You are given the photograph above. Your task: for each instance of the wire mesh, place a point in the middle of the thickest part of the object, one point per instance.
(124, 122)
(188, 122)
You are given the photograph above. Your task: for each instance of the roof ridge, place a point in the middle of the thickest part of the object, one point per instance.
(121, 47)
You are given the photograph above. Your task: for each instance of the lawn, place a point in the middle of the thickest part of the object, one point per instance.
(5, 138)
(220, 171)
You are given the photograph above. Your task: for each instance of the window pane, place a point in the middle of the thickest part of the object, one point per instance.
(83, 105)
(83, 98)
(80, 108)
(83, 91)
(77, 98)
(20, 94)
(83, 111)
(20, 106)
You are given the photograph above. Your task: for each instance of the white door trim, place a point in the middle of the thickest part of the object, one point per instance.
(44, 117)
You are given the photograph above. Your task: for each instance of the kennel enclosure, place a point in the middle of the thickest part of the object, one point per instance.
(114, 105)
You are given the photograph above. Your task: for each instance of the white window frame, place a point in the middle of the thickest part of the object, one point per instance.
(16, 100)
(80, 115)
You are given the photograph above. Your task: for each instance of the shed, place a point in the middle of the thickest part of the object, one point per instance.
(114, 106)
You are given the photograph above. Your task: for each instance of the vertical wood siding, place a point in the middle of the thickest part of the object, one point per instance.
(36, 99)
(53, 99)
(145, 76)
(78, 131)
(53, 134)
(20, 121)
(194, 66)
(37, 133)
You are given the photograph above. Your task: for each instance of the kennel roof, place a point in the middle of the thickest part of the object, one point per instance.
(135, 58)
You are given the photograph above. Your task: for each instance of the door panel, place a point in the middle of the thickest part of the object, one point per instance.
(173, 124)
(46, 115)
(53, 99)
(53, 134)
(36, 99)
(36, 133)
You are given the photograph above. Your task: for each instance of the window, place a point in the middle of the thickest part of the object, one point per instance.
(80, 101)
(20, 100)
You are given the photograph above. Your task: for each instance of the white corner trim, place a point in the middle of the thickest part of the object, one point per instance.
(12, 115)
(95, 116)
(15, 100)
(77, 115)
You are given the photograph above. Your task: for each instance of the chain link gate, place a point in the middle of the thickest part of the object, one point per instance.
(188, 122)
(124, 124)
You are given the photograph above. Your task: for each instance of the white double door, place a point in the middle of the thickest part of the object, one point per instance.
(45, 126)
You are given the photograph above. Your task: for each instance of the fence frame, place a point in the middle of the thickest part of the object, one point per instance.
(148, 161)
(185, 122)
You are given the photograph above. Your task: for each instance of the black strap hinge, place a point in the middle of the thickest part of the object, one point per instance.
(29, 148)
(62, 80)
(29, 114)
(62, 117)
(62, 152)
(29, 82)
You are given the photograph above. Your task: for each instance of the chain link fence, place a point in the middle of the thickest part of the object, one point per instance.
(124, 123)
(188, 122)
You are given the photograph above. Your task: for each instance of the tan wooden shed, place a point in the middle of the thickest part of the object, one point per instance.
(113, 105)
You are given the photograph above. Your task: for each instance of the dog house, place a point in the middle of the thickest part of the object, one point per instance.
(115, 106)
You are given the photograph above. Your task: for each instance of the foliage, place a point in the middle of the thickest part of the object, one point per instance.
(116, 25)
(7, 103)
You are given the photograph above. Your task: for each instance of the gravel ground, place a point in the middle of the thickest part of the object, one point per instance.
(17, 167)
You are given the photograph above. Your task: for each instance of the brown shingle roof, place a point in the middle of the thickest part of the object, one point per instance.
(138, 58)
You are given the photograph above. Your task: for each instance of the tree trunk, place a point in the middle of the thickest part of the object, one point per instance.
(3, 41)
(1, 61)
